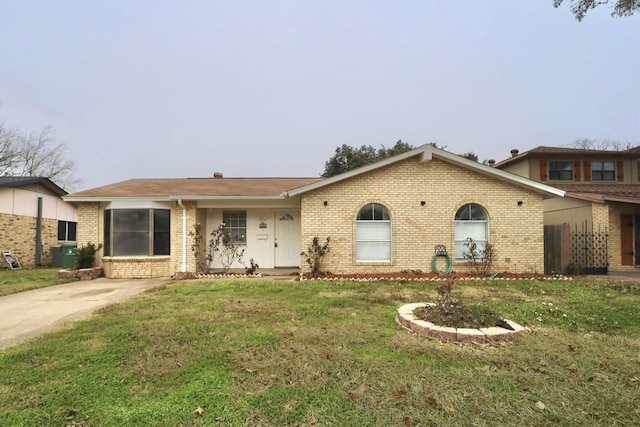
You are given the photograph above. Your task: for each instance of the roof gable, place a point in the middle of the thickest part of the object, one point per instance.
(427, 153)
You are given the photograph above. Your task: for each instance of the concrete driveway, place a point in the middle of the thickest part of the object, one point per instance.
(30, 313)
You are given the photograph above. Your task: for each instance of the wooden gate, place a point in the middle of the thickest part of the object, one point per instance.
(556, 248)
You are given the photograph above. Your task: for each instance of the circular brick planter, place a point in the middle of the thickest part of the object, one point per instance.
(490, 335)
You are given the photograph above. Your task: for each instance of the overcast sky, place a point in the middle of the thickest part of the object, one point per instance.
(158, 88)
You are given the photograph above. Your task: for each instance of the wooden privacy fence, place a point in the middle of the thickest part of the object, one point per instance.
(556, 248)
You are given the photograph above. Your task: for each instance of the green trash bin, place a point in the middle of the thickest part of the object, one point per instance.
(68, 255)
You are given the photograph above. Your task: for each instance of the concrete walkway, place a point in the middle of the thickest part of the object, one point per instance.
(27, 314)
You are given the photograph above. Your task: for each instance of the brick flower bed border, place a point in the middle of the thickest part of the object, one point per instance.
(81, 274)
(348, 278)
(490, 335)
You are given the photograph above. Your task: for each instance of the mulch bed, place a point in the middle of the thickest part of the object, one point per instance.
(421, 276)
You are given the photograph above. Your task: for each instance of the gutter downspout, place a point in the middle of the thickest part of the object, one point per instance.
(184, 236)
(38, 254)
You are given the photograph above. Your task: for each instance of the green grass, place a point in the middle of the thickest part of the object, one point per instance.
(236, 353)
(25, 279)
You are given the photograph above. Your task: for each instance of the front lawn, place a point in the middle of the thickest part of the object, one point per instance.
(25, 279)
(252, 352)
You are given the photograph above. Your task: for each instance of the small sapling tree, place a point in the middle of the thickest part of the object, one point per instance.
(198, 247)
(315, 254)
(220, 247)
(480, 259)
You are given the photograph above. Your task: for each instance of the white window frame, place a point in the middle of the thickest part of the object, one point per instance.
(373, 236)
(235, 223)
(476, 228)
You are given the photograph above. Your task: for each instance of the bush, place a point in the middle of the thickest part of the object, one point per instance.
(314, 255)
(86, 255)
(480, 259)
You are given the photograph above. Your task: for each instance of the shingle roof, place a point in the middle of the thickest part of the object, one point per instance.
(603, 191)
(194, 187)
(567, 151)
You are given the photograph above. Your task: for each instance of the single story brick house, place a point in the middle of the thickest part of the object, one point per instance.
(384, 217)
(34, 219)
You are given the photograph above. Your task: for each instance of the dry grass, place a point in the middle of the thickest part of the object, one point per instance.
(14, 281)
(238, 353)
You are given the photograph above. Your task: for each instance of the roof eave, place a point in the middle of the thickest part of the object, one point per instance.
(98, 199)
(37, 180)
(602, 198)
(199, 197)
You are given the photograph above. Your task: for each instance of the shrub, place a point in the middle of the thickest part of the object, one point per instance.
(220, 247)
(224, 249)
(315, 253)
(86, 255)
(454, 312)
(480, 259)
(198, 247)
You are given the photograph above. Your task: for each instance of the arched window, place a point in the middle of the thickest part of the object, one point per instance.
(470, 221)
(373, 233)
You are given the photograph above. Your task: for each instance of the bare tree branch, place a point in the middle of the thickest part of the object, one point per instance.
(601, 144)
(8, 149)
(35, 155)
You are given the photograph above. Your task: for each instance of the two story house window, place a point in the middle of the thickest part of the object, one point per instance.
(561, 171)
(603, 171)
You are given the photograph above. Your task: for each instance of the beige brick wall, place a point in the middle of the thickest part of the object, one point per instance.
(176, 235)
(91, 227)
(516, 232)
(18, 236)
(137, 267)
(600, 215)
(615, 243)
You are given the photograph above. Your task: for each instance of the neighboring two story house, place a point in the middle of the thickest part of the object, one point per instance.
(34, 219)
(601, 205)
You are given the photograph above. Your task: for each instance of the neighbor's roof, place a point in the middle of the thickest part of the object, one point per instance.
(21, 181)
(563, 152)
(192, 188)
(428, 152)
(627, 193)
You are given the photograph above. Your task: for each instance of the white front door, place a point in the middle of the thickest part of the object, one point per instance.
(287, 239)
